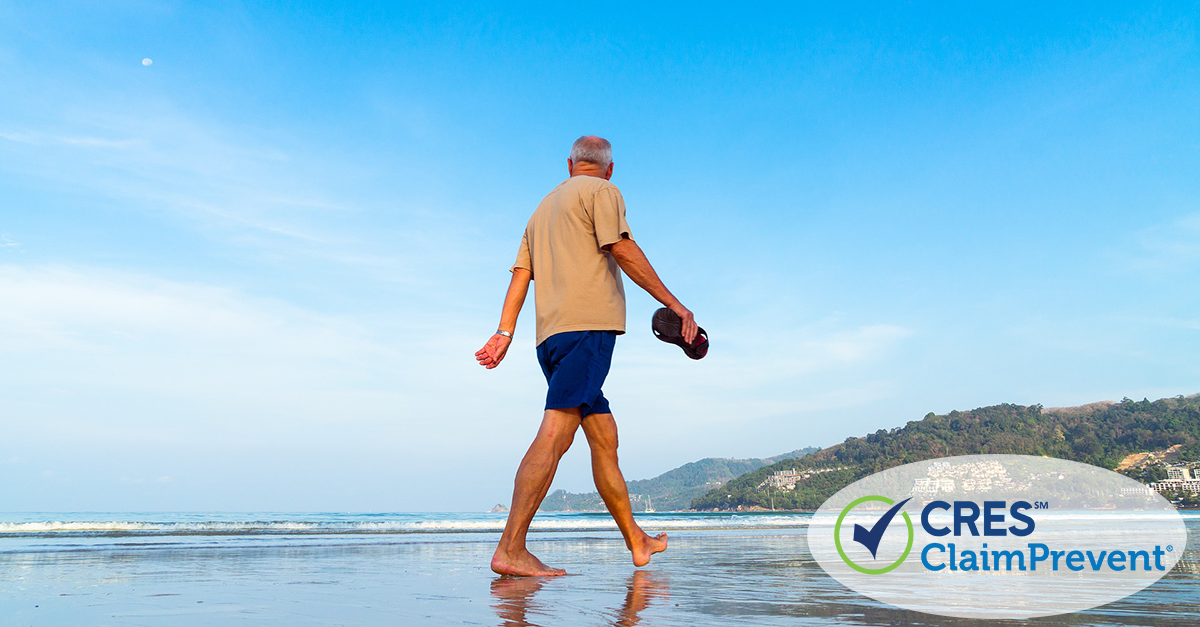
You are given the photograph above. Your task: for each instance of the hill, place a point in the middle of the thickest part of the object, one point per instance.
(672, 490)
(1102, 434)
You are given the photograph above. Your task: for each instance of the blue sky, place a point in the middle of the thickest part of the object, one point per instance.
(251, 275)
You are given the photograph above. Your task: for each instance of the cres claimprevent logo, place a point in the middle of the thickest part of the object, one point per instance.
(943, 536)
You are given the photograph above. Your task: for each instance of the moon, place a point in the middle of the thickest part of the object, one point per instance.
(147, 62)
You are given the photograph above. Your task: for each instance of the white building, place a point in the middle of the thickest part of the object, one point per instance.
(1179, 473)
(783, 479)
(1176, 486)
(1179, 479)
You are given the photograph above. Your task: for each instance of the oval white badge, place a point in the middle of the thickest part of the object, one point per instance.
(997, 536)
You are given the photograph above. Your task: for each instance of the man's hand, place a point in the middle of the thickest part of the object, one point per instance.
(689, 327)
(493, 352)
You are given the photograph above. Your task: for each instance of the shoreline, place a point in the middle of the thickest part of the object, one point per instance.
(711, 578)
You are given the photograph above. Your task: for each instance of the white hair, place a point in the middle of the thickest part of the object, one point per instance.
(592, 149)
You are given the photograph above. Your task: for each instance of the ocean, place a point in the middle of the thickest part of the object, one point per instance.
(432, 569)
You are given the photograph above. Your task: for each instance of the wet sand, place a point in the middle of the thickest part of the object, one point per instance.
(759, 577)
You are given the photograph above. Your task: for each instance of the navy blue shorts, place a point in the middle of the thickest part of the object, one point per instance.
(575, 364)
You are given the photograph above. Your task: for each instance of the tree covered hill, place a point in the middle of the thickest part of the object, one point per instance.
(1101, 434)
(672, 490)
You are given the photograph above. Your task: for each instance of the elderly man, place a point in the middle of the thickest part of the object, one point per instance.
(572, 248)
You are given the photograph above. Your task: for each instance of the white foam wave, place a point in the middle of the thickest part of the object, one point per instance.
(381, 527)
(404, 524)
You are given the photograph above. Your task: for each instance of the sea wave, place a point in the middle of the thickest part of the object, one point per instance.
(447, 525)
(382, 524)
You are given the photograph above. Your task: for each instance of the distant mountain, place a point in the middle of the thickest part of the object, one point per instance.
(673, 489)
(1101, 434)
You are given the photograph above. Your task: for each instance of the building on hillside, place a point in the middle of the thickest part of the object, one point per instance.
(1180, 473)
(1179, 479)
(783, 479)
(932, 485)
(786, 479)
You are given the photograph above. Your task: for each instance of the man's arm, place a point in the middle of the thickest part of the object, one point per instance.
(633, 261)
(493, 352)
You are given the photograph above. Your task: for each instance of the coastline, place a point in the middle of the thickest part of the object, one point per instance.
(760, 575)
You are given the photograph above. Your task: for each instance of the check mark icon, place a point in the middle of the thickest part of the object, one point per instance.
(870, 538)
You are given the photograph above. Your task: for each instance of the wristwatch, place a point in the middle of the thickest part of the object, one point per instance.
(504, 333)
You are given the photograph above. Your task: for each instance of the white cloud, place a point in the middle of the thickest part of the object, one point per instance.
(215, 357)
(857, 345)
(166, 161)
(133, 375)
(22, 138)
(212, 354)
(1166, 248)
(35, 138)
(233, 186)
(86, 308)
(141, 481)
(753, 373)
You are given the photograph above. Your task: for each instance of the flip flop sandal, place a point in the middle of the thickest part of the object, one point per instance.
(668, 327)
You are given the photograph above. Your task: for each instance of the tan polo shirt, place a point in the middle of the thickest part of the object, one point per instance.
(577, 286)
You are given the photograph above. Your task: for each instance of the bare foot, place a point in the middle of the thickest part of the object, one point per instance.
(648, 546)
(522, 564)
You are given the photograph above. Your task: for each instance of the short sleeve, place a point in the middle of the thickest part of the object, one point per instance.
(608, 216)
(523, 258)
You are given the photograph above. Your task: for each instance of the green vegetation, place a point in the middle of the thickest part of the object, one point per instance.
(1147, 474)
(672, 490)
(1101, 434)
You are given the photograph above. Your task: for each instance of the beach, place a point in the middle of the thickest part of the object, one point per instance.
(432, 569)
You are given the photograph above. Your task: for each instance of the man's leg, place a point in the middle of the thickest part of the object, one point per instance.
(532, 483)
(601, 432)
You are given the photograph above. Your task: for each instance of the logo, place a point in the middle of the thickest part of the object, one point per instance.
(997, 536)
(870, 538)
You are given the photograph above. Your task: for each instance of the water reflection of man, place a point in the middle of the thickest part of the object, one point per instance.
(516, 607)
